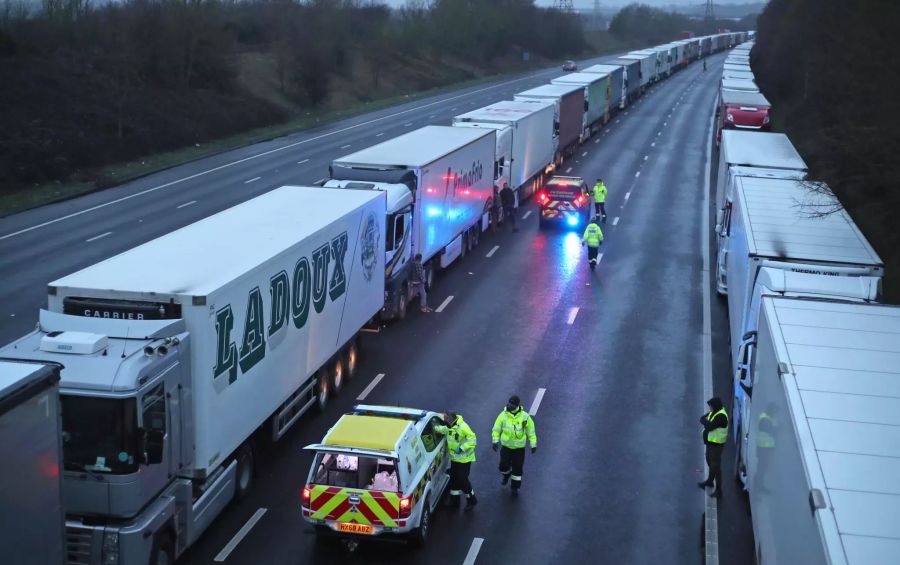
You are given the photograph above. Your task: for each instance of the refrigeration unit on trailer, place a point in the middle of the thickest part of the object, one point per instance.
(597, 93)
(617, 84)
(525, 141)
(31, 519)
(180, 354)
(778, 244)
(650, 64)
(634, 83)
(571, 117)
(823, 461)
(439, 181)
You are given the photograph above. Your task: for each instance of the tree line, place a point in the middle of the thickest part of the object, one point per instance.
(83, 84)
(643, 25)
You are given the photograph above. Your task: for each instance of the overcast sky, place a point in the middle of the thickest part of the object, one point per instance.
(611, 4)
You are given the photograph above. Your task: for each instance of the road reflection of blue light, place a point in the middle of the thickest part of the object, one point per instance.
(573, 220)
(571, 254)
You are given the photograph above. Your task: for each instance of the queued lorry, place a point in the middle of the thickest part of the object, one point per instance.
(525, 141)
(649, 66)
(597, 94)
(788, 237)
(181, 355)
(570, 114)
(32, 519)
(618, 85)
(634, 83)
(823, 462)
(439, 184)
(743, 110)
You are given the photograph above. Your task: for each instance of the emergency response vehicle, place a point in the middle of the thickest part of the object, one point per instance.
(564, 200)
(379, 472)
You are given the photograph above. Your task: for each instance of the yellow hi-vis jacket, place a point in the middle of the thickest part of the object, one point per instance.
(600, 192)
(593, 235)
(512, 429)
(460, 439)
(717, 435)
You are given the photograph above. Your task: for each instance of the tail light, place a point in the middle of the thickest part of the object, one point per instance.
(579, 200)
(306, 494)
(405, 506)
(542, 197)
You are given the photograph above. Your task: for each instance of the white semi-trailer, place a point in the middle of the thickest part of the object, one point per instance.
(439, 186)
(823, 463)
(181, 354)
(781, 241)
(525, 141)
(31, 513)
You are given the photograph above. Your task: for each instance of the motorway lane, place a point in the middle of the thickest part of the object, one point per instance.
(619, 453)
(131, 214)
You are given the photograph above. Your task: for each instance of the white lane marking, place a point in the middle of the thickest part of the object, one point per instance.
(646, 157)
(599, 258)
(627, 195)
(444, 304)
(525, 216)
(372, 385)
(492, 251)
(96, 237)
(238, 537)
(615, 220)
(453, 109)
(407, 124)
(637, 174)
(473, 551)
(303, 161)
(596, 142)
(254, 179)
(659, 133)
(653, 144)
(185, 205)
(665, 123)
(573, 313)
(584, 154)
(537, 401)
(569, 170)
(346, 146)
(431, 116)
(617, 121)
(711, 515)
(258, 155)
(379, 134)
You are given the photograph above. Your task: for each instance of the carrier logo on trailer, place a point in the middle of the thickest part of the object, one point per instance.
(368, 239)
(291, 297)
(464, 178)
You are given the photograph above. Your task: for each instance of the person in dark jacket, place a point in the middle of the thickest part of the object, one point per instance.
(508, 200)
(715, 433)
(417, 279)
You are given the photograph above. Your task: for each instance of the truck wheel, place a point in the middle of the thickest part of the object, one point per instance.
(337, 376)
(420, 534)
(244, 475)
(351, 359)
(322, 390)
(476, 236)
(464, 248)
(163, 552)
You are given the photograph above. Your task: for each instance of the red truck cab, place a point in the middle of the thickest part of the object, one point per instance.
(743, 110)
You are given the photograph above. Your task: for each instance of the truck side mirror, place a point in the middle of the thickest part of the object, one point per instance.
(153, 445)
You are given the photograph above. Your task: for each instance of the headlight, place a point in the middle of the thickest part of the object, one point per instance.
(766, 119)
(730, 117)
(110, 548)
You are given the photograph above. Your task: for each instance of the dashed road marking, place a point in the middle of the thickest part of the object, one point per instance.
(473, 551)
(653, 144)
(444, 304)
(537, 401)
(303, 161)
(372, 385)
(584, 154)
(599, 258)
(185, 205)
(573, 313)
(346, 146)
(245, 529)
(637, 174)
(646, 157)
(407, 124)
(379, 134)
(254, 179)
(615, 220)
(597, 141)
(627, 195)
(492, 251)
(96, 237)
(525, 216)
(569, 170)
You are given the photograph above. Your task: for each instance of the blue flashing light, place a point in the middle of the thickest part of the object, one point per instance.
(433, 211)
(573, 220)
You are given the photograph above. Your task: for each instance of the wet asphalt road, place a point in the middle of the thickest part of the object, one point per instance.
(614, 478)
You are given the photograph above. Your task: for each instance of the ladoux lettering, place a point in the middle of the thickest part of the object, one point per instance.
(290, 296)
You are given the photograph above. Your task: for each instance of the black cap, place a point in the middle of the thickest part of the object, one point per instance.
(514, 400)
(715, 403)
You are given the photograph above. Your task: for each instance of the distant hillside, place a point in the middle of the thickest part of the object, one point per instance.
(829, 68)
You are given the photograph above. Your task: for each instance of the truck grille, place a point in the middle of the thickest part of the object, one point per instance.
(78, 545)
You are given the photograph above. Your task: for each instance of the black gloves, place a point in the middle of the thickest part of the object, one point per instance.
(495, 446)
(533, 448)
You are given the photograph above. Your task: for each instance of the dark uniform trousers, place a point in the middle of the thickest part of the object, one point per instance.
(511, 463)
(459, 478)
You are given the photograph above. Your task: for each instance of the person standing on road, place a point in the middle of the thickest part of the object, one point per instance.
(715, 433)
(508, 199)
(593, 237)
(600, 199)
(461, 442)
(511, 430)
(417, 279)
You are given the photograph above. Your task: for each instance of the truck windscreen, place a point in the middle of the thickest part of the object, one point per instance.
(99, 434)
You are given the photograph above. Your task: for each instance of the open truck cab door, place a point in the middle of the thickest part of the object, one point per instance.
(743, 394)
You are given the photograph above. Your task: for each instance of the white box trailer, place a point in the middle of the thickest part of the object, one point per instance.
(180, 353)
(31, 517)
(618, 84)
(445, 179)
(597, 93)
(571, 117)
(666, 56)
(824, 456)
(525, 141)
